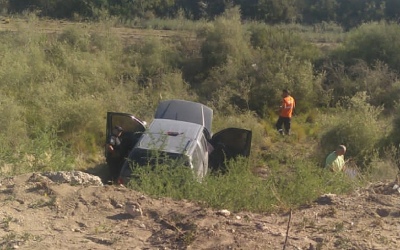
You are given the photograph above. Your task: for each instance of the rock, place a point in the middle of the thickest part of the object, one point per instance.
(74, 178)
(133, 209)
(382, 212)
(224, 212)
(326, 199)
(261, 226)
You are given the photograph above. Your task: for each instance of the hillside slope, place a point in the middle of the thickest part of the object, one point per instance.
(38, 213)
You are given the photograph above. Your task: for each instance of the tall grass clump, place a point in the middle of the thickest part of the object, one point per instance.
(239, 189)
(167, 178)
(14, 130)
(43, 151)
(301, 183)
(387, 166)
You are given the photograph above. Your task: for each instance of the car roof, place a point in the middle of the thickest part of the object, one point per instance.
(185, 111)
(170, 136)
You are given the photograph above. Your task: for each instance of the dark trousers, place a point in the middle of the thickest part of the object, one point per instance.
(285, 121)
(114, 167)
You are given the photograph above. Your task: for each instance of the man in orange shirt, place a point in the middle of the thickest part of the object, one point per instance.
(285, 114)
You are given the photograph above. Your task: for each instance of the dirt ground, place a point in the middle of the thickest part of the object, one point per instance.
(41, 214)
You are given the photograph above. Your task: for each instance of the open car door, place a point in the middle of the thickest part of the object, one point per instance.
(132, 130)
(228, 144)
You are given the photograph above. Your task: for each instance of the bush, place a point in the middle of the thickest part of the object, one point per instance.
(394, 136)
(371, 42)
(226, 41)
(247, 66)
(14, 130)
(378, 81)
(44, 151)
(348, 126)
(287, 186)
(282, 61)
(77, 38)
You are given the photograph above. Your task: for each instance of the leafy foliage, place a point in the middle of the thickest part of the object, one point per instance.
(394, 137)
(352, 130)
(239, 189)
(373, 42)
(344, 12)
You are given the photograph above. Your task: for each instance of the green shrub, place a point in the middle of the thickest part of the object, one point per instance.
(14, 129)
(371, 42)
(44, 151)
(378, 81)
(394, 136)
(226, 40)
(282, 61)
(348, 125)
(302, 183)
(248, 68)
(169, 178)
(282, 38)
(387, 166)
(239, 189)
(75, 37)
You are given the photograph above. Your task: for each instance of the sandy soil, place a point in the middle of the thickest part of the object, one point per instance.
(37, 214)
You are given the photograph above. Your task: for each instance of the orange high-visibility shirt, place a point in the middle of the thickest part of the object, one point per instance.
(288, 105)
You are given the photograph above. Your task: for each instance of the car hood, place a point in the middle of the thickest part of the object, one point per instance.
(170, 136)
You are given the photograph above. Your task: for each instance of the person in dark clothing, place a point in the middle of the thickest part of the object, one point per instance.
(114, 156)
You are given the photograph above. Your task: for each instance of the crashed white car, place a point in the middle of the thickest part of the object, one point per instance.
(180, 130)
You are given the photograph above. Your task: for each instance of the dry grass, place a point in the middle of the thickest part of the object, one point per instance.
(57, 26)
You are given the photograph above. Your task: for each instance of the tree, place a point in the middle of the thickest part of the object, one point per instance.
(320, 10)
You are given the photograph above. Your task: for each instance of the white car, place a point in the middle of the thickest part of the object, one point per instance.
(180, 130)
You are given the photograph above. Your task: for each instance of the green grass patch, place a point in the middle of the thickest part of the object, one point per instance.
(240, 189)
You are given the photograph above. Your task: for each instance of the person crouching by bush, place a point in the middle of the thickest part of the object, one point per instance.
(335, 160)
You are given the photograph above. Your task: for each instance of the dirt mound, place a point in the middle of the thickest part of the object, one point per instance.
(40, 213)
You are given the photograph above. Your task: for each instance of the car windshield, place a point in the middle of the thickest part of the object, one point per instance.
(181, 110)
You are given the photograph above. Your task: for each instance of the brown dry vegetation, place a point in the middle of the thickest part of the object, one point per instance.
(56, 26)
